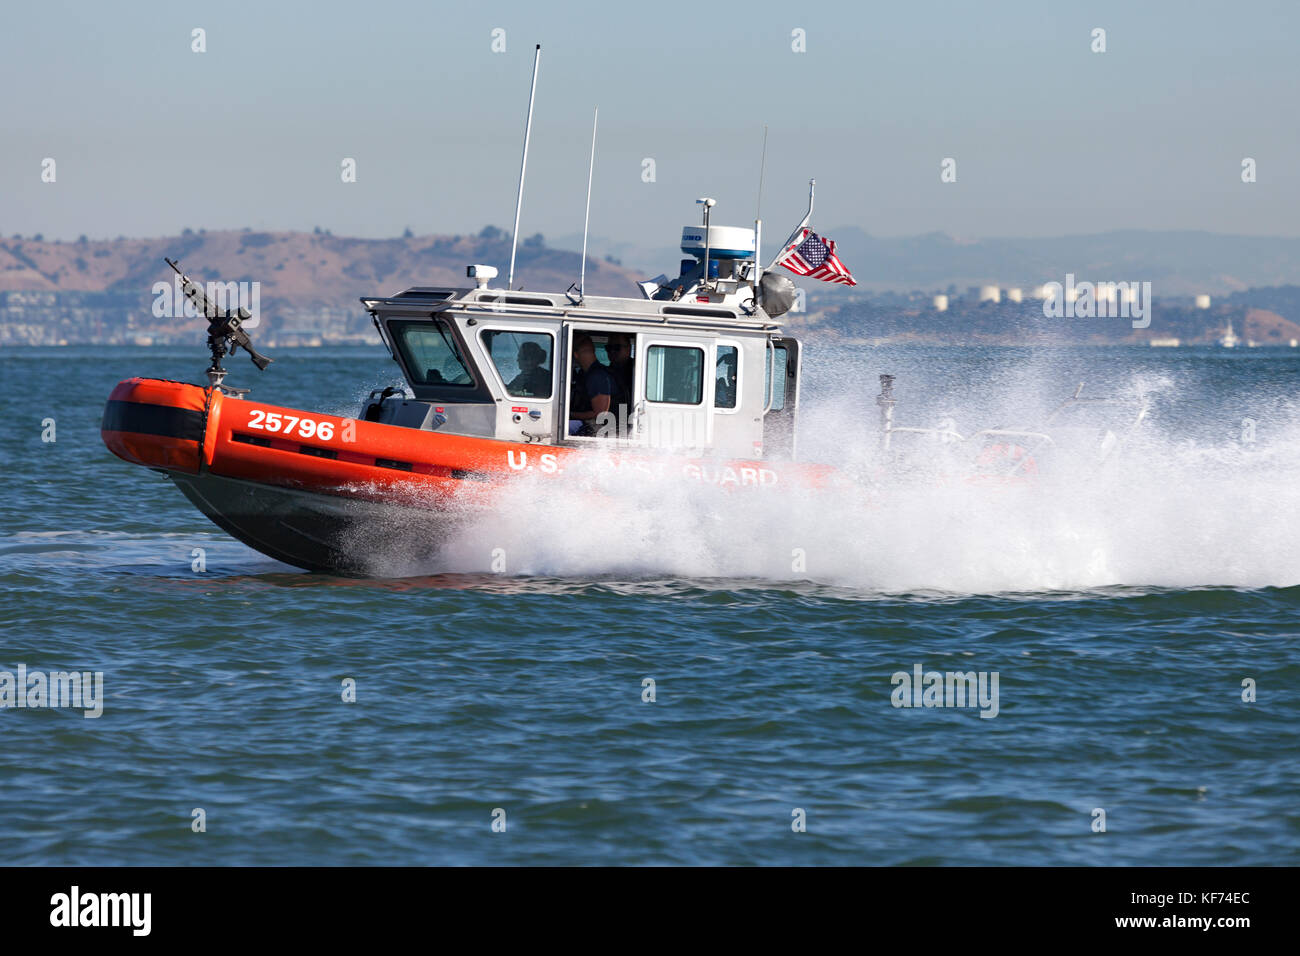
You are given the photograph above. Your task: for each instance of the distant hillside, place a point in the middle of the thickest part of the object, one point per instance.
(307, 269)
(320, 269)
(101, 291)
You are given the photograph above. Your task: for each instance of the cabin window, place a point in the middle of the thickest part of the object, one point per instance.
(726, 369)
(523, 360)
(431, 354)
(776, 401)
(675, 374)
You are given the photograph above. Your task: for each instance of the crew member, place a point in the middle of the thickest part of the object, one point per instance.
(593, 389)
(619, 350)
(534, 379)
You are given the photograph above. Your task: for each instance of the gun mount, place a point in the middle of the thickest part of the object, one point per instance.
(225, 329)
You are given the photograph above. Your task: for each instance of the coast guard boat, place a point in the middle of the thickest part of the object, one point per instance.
(493, 381)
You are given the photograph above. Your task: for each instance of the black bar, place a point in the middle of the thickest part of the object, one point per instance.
(941, 909)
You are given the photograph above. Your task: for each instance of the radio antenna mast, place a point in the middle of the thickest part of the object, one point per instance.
(758, 225)
(523, 167)
(591, 167)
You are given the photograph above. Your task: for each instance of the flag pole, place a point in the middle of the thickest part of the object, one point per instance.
(812, 187)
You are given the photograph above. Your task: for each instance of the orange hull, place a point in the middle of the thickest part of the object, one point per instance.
(203, 438)
(181, 427)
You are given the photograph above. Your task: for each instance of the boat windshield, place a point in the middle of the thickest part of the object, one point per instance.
(429, 351)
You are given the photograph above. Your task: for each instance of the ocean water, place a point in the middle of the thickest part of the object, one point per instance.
(1121, 608)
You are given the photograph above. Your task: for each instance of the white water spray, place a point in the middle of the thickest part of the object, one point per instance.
(1189, 501)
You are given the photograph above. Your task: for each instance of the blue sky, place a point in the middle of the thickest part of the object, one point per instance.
(1049, 137)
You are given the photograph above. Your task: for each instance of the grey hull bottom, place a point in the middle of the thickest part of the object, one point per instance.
(323, 533)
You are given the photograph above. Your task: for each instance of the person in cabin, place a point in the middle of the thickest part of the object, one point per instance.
(619, 350)
(534, 379)
(724, 395)
(593, 388)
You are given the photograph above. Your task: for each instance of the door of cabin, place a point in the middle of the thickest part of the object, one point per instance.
(781, 397)
(674, 391)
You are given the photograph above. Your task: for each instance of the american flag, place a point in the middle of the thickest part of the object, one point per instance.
(813, 256)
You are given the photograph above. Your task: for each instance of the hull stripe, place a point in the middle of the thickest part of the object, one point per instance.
(145, 419)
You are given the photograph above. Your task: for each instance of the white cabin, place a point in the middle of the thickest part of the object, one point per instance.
(710, 372)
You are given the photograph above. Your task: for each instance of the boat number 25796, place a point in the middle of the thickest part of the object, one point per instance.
(307, 428)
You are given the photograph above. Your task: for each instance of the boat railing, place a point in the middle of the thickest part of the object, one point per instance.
(498, 303)
(944, 434)
(1011, 433)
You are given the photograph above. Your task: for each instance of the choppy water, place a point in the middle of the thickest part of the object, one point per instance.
(1121, 610)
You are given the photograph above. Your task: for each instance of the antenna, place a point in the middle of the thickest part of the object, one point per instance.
(591, 167)
(523, 166)
(707, 204)
(758, 224)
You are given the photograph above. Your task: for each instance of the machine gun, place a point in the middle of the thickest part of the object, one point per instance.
(225, 329)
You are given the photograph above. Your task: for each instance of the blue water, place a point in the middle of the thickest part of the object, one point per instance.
(1121, 613)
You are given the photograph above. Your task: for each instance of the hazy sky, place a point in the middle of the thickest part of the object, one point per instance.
(1049, 137)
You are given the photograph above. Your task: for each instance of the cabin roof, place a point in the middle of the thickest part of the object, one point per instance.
(561, 306)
